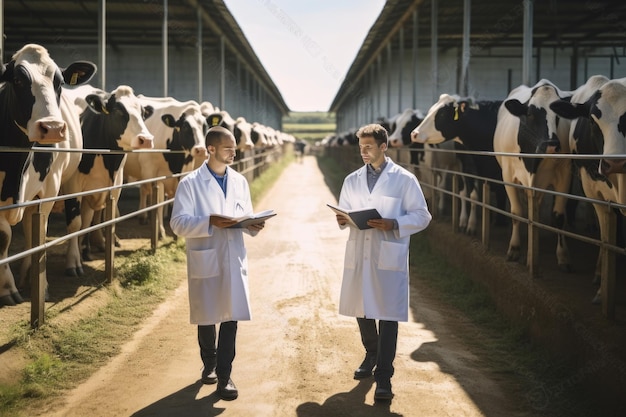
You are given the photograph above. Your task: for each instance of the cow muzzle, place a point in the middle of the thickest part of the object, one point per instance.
(549, 147)
(612, 166)
(48, 132)
(143, 142)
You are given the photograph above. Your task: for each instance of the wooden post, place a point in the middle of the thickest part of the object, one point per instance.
(37, 277)
(607, 286)
(486, 214)
(456, 200)
(109, 238)
(533, 234)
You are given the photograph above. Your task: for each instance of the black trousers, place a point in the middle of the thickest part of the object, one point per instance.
(381, 342)
(221, 355)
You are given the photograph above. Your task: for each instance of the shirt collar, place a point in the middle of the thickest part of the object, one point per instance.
(377, 171)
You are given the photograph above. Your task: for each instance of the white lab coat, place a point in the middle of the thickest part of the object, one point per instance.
(376, 264)
(217, 264)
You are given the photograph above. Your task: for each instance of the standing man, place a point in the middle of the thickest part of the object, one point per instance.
(217, 266)
(376, 267)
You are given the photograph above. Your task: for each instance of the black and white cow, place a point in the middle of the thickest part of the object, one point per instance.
(110, 121)
(240, 128)
(599, 128)
(33, 111)
(472, 123)
(527, 125)
(179, 127)
(400, 136)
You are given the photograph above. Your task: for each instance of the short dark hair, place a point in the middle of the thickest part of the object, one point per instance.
(378, 132)
(215, 135)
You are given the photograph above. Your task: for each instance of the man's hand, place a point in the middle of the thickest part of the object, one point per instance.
(341, 220)
(221, 222)
(381, 224)
(256, 227)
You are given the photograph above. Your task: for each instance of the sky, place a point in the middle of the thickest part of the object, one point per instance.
(306, 46)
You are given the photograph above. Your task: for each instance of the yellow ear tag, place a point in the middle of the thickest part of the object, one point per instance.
(215, 121)
(456, 113)
(177, 129)
(74, 79)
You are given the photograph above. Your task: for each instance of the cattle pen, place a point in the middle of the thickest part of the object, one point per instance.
(47, 236)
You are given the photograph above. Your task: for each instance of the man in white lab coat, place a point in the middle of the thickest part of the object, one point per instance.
(217, 265)
(376, 266)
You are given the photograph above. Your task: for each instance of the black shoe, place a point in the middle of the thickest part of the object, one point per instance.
(227, 390)
(209, 377)
(383, 391)
(366, 368)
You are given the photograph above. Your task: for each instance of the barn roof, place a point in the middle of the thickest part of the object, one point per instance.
(129, 22)
(494, 23)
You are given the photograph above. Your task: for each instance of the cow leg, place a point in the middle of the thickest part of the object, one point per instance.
(145, 193)
(558, 221)
(472, 221)
(9, 295)
(86, 214)
(73, 264)
(439, 195)
(463, 215)
(513, 253)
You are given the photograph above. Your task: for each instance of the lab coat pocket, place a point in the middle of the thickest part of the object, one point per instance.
(393, 256)
(350, 256)
(203, 263)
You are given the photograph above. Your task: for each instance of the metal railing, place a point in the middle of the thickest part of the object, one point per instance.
(250, 163)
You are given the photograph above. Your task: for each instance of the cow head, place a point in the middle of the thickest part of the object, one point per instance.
(601, 125)
(35, 81)
(442, 121)
(403, 126)
(539, 131)
(124, 117)
(188, 134)
(243, 134)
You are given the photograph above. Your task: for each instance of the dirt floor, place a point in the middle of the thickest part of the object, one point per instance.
(296, 357)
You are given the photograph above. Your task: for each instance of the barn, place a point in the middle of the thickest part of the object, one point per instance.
(417, 50)
(190, 50)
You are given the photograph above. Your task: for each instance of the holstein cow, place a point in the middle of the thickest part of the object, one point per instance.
(527, 125)
(110, 121)
(599, 128)
(178, 127)
(33, 111)
(472, 123)
(400, 135)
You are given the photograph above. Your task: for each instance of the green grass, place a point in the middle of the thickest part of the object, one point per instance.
(310, 126)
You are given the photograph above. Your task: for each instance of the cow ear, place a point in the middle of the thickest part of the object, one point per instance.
(169, 120)
(96, 103)
(568, 110)
(515, 107)
(147, 112)
(215, 119)
(79, 72)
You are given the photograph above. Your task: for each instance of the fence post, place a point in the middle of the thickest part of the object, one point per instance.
(109, 238)
(607, 285)
(456, 201)
(38, 271)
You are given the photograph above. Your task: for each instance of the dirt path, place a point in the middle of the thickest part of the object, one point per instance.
(297, 355)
